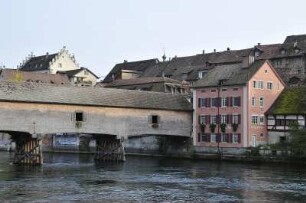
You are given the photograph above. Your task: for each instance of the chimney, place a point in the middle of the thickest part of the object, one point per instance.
(258, 44)
(47, 54)
(203, 52)
(214, 50)
(125, 61)
(228, 49)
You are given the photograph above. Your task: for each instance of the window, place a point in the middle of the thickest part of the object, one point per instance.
(260, 85)
(155, 121)
(254, 84)
(261, 120)
(235, 119)
(253, 101)
(213, 90)
(213, 119)
(59, 65)
(202, 119)
(235, 138)
(79, 116)
(202, 102)
(213, 137)
(224, 90)
(223, 102)
(254, 120)
(223, 118)
(261, 101)
(85, 72)
(235, 89)
(269, 85)
(236, 101)
(202, 74)
(223, 137)
(214, 102)
(280, 122)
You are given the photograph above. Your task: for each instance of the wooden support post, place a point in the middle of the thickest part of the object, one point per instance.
(109, 149)
(28, 150)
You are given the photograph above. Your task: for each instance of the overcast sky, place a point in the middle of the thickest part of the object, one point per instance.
(102, 33)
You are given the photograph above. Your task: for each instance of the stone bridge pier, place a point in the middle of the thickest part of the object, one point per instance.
(28, 148)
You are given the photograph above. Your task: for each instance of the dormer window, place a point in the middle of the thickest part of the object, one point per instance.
(202, 74)
(257, 53)
(283, 51)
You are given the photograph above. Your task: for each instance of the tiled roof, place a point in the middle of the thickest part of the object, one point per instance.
(143, 80)
(230, 56)
(295, 38)
(13, 75)
(71, 73)
(38, 63)
(268, 51)
(155, 70)
(230, 75)
(135, 66)
(291, 101)
(90, 96)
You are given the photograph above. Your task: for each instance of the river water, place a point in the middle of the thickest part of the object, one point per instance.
(75, 178)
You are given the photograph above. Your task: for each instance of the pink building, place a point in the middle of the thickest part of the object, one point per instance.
(230, 103)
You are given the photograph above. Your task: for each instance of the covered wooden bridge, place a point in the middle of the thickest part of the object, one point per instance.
(28, 111)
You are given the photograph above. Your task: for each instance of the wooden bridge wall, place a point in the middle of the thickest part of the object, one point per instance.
(57, 118)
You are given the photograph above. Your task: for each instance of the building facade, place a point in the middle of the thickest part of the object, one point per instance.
(288, 109)
(61, 62)
(230, 105)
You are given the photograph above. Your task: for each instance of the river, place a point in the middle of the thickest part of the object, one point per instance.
(75, 178)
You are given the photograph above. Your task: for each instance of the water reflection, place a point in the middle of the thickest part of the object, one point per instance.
(73, 177)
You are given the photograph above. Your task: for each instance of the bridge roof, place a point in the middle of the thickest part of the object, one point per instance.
(90, 96)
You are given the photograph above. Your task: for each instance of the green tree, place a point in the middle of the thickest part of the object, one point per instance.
(297, 140)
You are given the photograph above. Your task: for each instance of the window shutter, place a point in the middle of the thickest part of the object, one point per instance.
(199, 137)
(229, 118)
(199, 119)
(208, 137)
(229, 101)
(230, 138)
(227, 138)
(207, 119)
(199, 102)
(239, 101)
(239, 119)
(239, 138)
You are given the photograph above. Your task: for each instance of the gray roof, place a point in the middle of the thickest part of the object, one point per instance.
(230, 75)
(142, 80)
(295, 38)
(90, 96)
(38, 63)
(134, 66)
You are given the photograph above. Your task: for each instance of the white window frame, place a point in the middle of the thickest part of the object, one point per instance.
(235, 138)
(235, 118)
(269, 85)
(224, 118)
(223, 137)
(261, 102)
(254, 119)
(261, 84)
(213, 137)
(202, 119)
(261, 120)
(253, 101)
(213, 119)
(224, 102)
